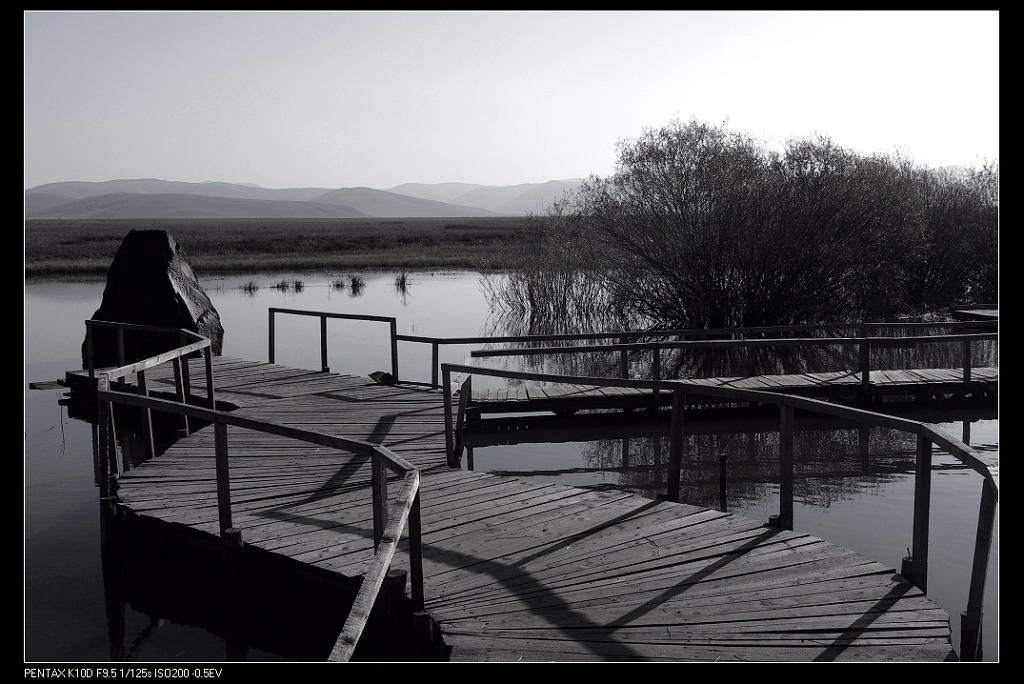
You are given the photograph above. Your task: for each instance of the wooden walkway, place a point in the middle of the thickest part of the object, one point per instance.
(520, 570)
(569, 398)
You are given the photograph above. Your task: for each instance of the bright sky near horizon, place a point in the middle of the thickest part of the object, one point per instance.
(368, 98)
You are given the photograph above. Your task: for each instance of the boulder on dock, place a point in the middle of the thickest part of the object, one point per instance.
(151, 282)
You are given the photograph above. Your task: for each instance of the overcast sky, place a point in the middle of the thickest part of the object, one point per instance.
(341, 99)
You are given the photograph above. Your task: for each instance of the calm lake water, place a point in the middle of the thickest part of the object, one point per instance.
(868, 511)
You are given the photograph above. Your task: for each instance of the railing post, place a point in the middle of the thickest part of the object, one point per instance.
(416, 553)
(394, 349)
(784, 519)
(323, 345)
(624, 359)
(208, 357)
(723, 487)
(220, 435)
(971, 619)
(656, 460)
(231, 549)
(915, 566)
(675, 453)
(966, 347)
(186, 379)
(449, 439)
(147, 415)
(120, 355)
(865, 366)
(104, 423)
(656, 370)
(270, 336)
(120, 346)
(465, 393)
(88, 350)
(379, 484)
(434, 357)
(179, 393)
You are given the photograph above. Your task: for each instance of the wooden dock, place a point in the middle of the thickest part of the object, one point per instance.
(519, 570)
(562, 398)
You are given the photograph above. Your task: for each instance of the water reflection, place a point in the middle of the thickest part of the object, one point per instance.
(730, 457)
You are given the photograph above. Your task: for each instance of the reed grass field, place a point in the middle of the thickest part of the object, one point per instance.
(85, 248)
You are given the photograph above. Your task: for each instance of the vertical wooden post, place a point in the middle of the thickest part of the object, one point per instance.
(656, 456)
(323, 345)
(625, 452)
(102, 457)
(623, 359)
(416, 553)
(186, 379)
(434, 362)
(469, 458)
(111, 565)
(88, 350)
(424, 637)
(675, 452)
(235, 642)
(465, 393)
(971, 619)
(394, 349)
(379, 484)
(179, 394)
(865, 366)
(208, 356)
(270, 336)
(120, 347)
(449, 438)
(915, 566)
(220, 437)
(785, 517)
(723, 487)
(147, 416)
(656, 371)
(120, 355)
(103, 409)
(966, 349)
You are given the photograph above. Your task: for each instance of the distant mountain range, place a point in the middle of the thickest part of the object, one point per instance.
(151, 198)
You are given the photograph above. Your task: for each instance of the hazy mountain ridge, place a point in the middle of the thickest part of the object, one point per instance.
(127, 205)
(155, 198)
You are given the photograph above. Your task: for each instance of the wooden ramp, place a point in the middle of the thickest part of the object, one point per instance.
(520, 570)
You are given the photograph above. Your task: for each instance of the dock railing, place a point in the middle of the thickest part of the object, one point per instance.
(390, 519)
(915, 565)
(864, 345)
(747, 337)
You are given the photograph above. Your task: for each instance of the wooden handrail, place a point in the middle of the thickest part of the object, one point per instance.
(389, 521)
(756, 342)
(408, 498)
(435, 342)
(121, 328)
(915, 566)
(396, 516)
(323, 316)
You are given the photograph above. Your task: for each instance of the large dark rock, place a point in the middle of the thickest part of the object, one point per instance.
(151, 282)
